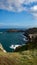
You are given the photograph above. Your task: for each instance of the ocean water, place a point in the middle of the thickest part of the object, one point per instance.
(8, 39)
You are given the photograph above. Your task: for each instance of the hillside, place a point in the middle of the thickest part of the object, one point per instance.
(31, 30)
(28, 57)
(24, 57)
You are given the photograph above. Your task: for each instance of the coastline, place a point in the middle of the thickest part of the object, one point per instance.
(2, 49)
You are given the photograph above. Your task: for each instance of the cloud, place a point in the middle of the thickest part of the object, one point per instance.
(12, 5)
(19, 5)
(33, 11)
(29, 1)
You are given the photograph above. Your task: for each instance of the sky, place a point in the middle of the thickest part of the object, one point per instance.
(18, 13)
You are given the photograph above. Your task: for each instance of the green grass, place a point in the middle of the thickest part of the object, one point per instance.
(28, 57)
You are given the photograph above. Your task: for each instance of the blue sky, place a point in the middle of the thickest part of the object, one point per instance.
(18, 13)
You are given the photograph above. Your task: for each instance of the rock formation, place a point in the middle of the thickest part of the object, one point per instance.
(1, 48)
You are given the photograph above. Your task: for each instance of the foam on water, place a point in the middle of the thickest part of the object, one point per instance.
(14, 46)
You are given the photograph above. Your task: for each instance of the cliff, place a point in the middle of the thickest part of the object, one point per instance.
(1, 48)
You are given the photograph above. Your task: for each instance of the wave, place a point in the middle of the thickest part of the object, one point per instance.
(14, 46)
(25, 40)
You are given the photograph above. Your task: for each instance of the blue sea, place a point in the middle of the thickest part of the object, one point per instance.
(15, 38)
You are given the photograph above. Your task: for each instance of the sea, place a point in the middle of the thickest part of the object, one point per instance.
(10, 40)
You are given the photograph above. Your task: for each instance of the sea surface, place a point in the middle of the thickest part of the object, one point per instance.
(15, 38)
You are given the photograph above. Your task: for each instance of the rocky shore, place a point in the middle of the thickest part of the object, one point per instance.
(1, 48)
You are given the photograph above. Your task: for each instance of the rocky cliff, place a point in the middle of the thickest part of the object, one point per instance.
(1, 48)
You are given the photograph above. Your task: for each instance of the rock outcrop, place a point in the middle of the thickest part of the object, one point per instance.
(1, 48)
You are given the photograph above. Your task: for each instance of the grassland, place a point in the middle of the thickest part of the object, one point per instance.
(27, 57)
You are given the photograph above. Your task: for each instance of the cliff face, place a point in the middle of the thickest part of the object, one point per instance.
(31, 33)
(1, 48)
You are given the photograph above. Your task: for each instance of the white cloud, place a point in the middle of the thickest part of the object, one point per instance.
(14, 5)
(33, 11)
(17, 6)
(29, 1)
(34, 8)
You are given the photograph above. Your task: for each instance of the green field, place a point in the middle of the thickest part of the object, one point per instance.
(28, 57)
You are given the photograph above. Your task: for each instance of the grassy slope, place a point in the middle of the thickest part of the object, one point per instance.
(28, 57)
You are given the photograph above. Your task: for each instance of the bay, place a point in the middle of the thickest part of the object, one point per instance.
(8, 39)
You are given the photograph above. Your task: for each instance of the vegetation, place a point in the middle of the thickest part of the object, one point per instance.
(31, 31)
(28, 46)
(27, 57)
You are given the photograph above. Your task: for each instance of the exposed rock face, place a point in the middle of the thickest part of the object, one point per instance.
(1, 48)
(31, 34)
(33, 37)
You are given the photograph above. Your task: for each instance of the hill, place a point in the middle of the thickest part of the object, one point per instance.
(28, 57)
(14, 30)
(31, 30)
(25, 55)
(31, 34)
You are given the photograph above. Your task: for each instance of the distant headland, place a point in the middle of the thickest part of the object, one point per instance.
(14, 30)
